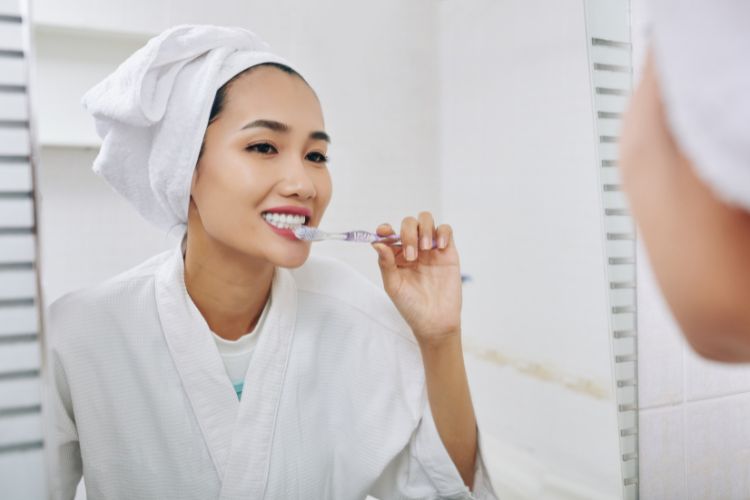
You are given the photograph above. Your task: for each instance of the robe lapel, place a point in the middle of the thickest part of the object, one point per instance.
(247, 468)
(197, 360)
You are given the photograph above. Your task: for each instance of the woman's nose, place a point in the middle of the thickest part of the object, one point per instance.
(298, 181)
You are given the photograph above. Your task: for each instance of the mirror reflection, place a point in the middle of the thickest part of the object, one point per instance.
(196, 345)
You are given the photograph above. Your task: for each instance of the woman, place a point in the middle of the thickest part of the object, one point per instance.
(685, 154)
(236, 365)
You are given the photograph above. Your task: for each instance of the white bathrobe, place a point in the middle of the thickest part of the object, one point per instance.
(334, 404)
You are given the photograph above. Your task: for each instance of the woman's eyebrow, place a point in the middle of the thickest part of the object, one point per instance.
(283, 127)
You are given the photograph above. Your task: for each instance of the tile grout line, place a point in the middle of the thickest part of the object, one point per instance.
(718, 397)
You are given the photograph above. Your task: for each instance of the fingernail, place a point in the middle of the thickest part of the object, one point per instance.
(411, 253)
(441, 242)
(425, 243)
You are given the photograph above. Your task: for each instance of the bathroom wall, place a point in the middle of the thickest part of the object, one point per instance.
(694, 414)
(521, 186)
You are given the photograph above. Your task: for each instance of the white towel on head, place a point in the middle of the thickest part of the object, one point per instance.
(702, 57)
(152, 111)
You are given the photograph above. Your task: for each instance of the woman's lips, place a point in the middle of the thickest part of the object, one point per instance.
(287, 233)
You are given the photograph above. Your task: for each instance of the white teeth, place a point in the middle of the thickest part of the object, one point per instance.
(284, 221)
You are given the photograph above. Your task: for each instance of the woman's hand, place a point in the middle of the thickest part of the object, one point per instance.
(425, 286)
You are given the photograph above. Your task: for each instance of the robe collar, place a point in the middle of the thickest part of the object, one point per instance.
(238, 434)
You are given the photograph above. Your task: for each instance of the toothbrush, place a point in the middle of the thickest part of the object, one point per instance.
(314, 234)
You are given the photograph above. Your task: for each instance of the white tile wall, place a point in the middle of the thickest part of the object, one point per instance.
(717, 443)
(705, 379)
(662, 474)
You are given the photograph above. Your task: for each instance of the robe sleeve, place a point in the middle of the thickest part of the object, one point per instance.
(64, 451)
(424, 469)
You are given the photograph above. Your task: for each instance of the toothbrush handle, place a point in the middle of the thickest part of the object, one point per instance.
(369, 237)
(397, 241)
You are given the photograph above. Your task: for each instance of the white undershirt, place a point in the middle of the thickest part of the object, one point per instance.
(236, 354)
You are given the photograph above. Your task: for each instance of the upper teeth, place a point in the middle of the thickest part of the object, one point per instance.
(284, 220)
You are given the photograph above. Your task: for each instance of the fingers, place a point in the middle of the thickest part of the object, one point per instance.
(444, 235)
(387, 258)
(418, 233)
(426, 230)
(384, 230)
(409, 236)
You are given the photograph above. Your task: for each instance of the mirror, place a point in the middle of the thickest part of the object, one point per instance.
(551, 352)
(500, 118)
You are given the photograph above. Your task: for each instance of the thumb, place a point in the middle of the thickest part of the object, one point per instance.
(389, 270)
(386, 261)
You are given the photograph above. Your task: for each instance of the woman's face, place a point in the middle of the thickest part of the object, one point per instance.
(245, 172)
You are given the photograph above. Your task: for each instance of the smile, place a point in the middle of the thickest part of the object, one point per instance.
(282, 224)
(284, 221)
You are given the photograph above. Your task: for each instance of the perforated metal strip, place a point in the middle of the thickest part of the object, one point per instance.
(608, 30)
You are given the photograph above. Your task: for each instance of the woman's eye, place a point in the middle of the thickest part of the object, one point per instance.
(261, 148)
(321, 158)
(265, 148)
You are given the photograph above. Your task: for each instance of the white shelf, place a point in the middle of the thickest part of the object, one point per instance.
(69, 61)
(69, 31)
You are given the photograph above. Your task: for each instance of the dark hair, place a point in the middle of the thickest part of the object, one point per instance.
(220, 97)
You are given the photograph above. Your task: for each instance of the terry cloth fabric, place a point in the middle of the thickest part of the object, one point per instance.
(152, 112)
(335, 407)
(702, 57)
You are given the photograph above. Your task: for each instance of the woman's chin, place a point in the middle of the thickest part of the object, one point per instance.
(291, 257)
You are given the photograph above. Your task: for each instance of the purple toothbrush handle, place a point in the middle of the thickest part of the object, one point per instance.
(397, 240)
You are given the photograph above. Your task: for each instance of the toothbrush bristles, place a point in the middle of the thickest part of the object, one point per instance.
(304, 233)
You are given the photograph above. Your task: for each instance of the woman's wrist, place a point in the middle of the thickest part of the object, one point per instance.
(430, 344)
